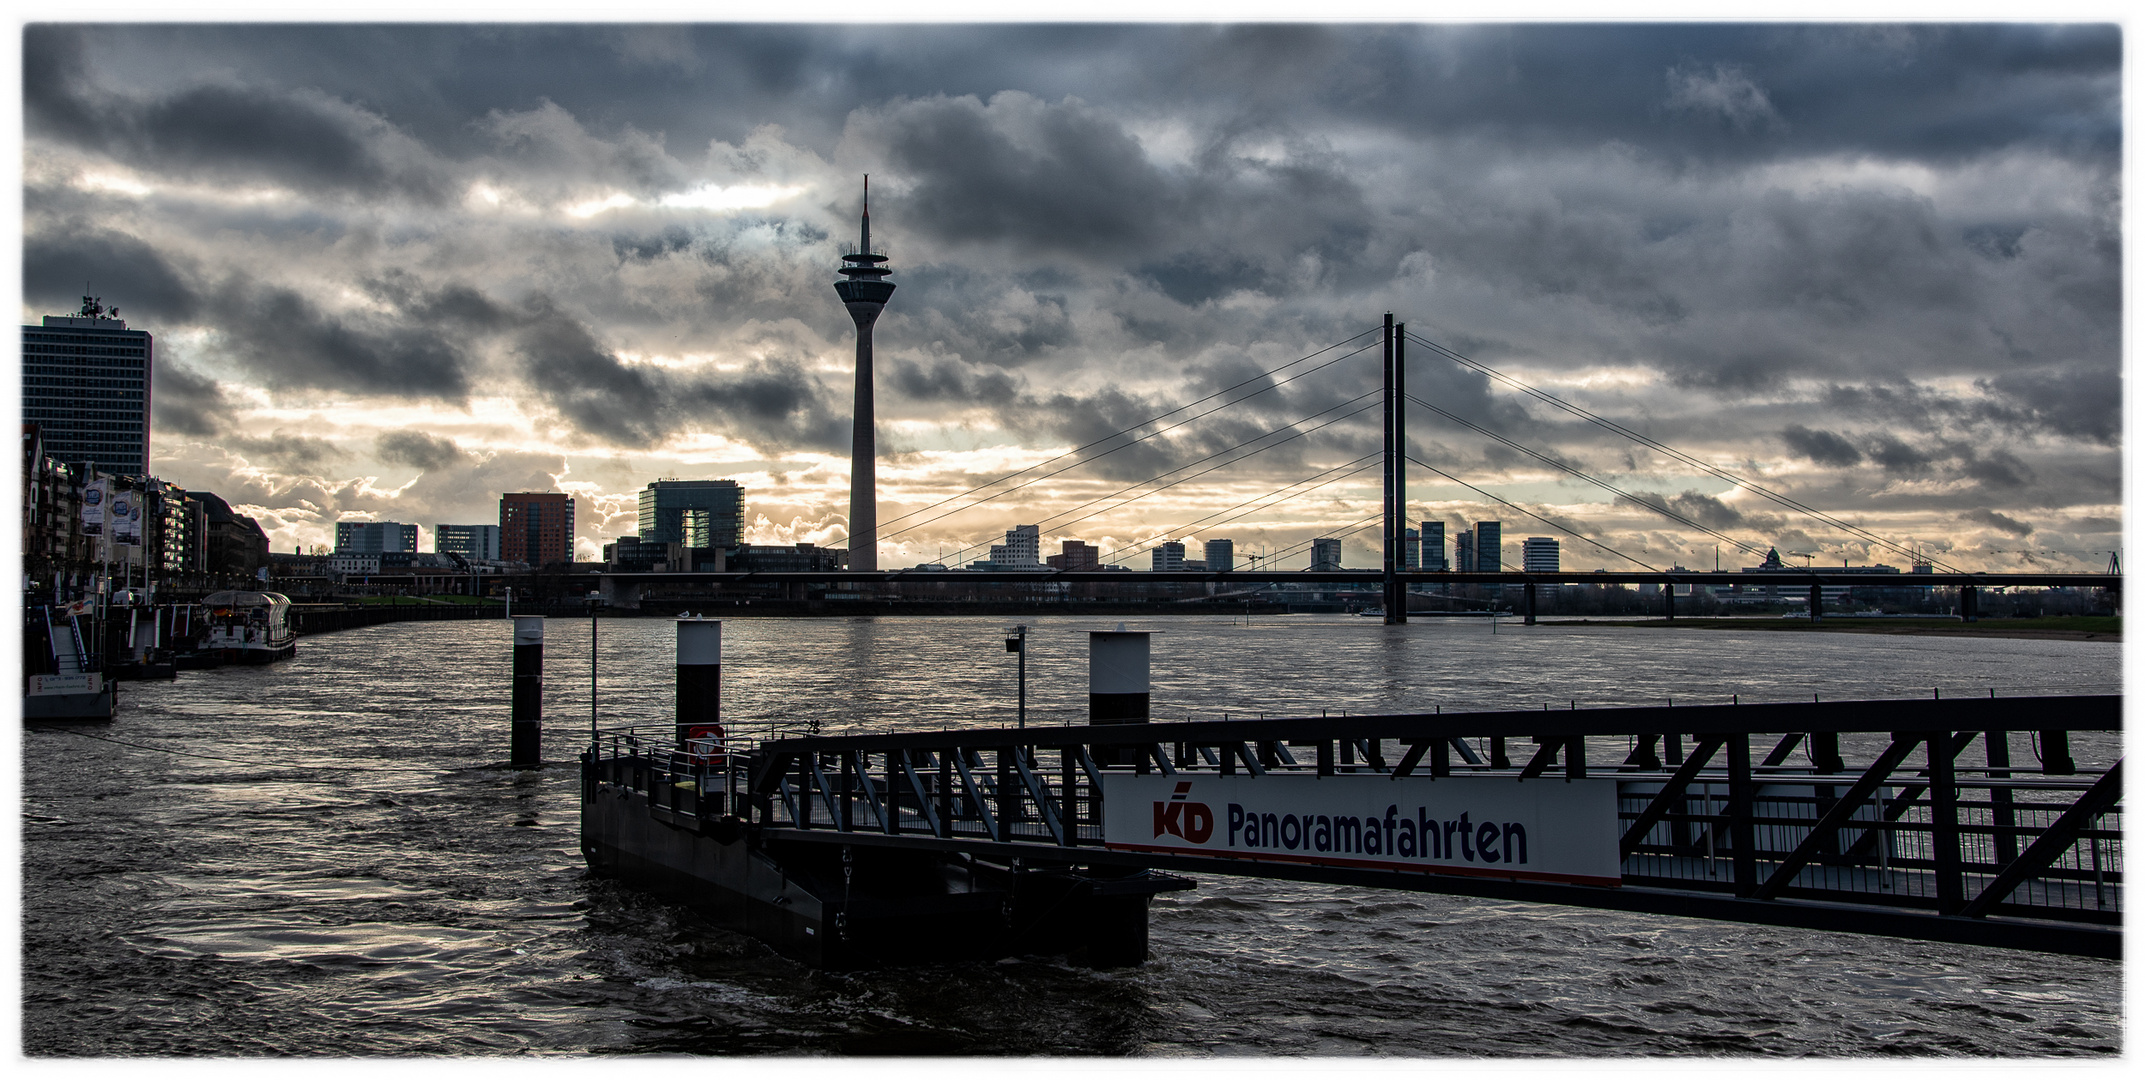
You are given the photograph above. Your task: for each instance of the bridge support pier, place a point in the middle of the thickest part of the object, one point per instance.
(619, 595)
(1817, 602)
(1969, 603)
(1529, 592)
(1668, 597)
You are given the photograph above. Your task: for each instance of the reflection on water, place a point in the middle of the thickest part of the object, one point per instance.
(317, 858)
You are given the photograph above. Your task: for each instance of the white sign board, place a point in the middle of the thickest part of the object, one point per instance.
(93, 499)
(86, 683)
(126, 518)
(1548, 829)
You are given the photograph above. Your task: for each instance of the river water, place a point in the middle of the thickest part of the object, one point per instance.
(321, 858)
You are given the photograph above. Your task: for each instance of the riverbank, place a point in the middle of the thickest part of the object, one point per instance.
(2057, 628)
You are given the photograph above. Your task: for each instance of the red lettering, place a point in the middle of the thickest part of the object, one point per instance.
(1198, 822)
(1166, 818)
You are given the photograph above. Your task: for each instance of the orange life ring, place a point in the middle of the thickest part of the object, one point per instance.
(704, 744)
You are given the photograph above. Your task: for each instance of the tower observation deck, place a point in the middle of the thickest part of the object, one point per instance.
(864, 291)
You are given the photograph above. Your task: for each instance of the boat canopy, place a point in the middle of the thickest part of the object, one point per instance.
(237, 598)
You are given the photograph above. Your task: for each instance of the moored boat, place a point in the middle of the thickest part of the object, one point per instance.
(246, 627)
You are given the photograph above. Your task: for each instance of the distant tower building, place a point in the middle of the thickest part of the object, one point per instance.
(1433, 545)
(696, 513)
(374, 537)
(1326, 554)
(536, 527)
(1169, 555)
(468, 541)
(85, 384)
(1538, 555)
(1489, 546)
(1411, 547)
(1221, 556)
(1463, 551)
(864, 293)
(1076, 555)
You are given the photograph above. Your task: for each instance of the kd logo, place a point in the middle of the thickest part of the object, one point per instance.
(1192, 821)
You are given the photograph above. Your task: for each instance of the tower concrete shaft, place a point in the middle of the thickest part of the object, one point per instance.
(864, 291)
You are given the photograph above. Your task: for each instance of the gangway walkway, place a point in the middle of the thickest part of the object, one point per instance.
(1948, 820)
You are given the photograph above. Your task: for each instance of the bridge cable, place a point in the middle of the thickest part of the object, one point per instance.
(1566, 529)
(1059, 519)
(1619, 429)
(1356, 467)
(1660, 509)
(1150, 420)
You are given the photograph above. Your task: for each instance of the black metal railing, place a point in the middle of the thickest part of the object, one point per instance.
(1914, 805)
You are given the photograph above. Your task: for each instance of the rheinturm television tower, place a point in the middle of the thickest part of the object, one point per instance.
(865, 294)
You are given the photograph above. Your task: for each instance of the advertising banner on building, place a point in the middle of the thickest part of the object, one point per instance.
(94, 497)
(126, 515)
(1547, 829)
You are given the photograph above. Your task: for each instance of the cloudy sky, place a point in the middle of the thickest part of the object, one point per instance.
(395, 271)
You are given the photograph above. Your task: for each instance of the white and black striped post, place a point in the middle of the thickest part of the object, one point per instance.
(526, 748)
(1117, 683)
(699, 679)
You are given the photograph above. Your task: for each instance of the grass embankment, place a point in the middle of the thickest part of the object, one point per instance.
(2064, 627)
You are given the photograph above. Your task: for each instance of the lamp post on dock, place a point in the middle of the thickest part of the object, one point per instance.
(1017, 642)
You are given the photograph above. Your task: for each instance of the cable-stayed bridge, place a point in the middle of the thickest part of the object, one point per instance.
(1391, 459)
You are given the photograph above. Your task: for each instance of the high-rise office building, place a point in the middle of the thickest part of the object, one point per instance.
(1539, 555)
(864, 291)
(696, 513)
(1168, 556)
(468, 541)
(536, 527)
(1433, 545)
(1411, 546)
(1221, 555)
(86, 385)
(1463, 551)
(374, 537)
(1326, 553)
(1489, 546)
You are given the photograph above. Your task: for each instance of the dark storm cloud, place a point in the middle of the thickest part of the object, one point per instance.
(285, 450)
(600, 396)
(1998, 521)
(282, 336)
(1820, 446)
(1077, 184)
(58, 263)
(231, 130)
(418, 450)
(188, 403)
(2076, 402)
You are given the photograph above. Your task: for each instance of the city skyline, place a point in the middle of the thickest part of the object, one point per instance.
(526, 258)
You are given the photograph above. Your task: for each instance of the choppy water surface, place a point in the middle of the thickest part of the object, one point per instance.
(316, 858)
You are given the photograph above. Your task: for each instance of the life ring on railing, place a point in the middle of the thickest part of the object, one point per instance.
(703, 745)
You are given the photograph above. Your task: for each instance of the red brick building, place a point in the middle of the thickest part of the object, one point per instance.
(536, 527)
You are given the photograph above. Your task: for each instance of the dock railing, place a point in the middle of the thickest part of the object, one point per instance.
(1962, 810)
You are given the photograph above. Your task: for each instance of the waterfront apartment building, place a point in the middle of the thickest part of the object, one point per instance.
(1022, 550)
(696, 513)
(536, 527)
(374, 537)
(468, 541)
(1076, 555)
(1326, 553)
(1167, 556)
(1489, 546)
(1433, 546)
(1539, 555)
(1221, 555)
(86, 385)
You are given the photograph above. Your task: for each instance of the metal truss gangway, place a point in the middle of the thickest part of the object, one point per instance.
(1956, 820)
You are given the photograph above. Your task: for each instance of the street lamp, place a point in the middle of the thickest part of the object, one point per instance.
(1017, 642)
